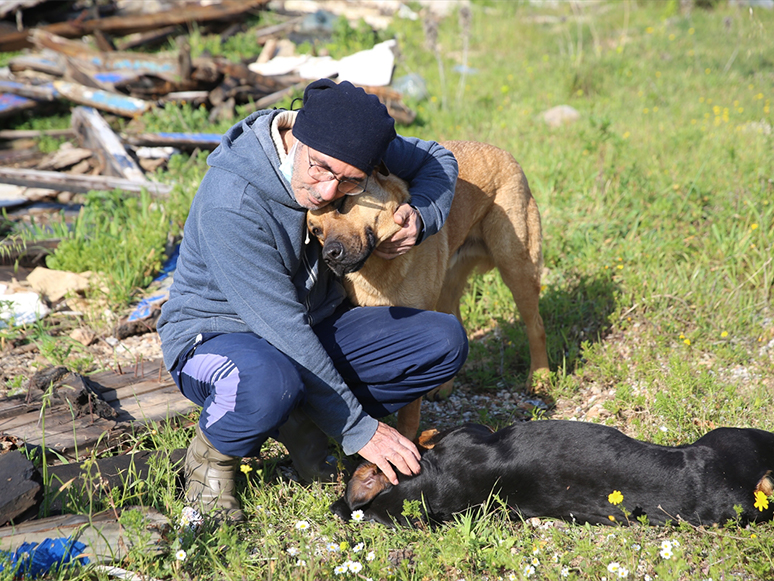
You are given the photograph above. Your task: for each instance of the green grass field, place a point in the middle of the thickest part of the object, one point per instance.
(658, 218)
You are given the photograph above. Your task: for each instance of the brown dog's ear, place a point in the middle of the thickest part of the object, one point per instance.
(366, 482)
(766, 484)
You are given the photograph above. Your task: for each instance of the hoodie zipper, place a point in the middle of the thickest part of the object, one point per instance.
(312, 275)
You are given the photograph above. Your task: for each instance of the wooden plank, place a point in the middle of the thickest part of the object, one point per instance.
(186, 141)
(146, 38)
(137, 63)
(12, 104)
(139, 397)
(20, 486)
(141, 371)
(38, 92)
(95, 134)
(33, 133)
(133, 390)
(105, 538)
(103, 100)
(122, 25)
(53, 180)
(115, 472)
(50, 65)
(160, 410)
(65, 435)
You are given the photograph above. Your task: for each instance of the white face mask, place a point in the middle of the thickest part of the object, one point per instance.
(286, 167)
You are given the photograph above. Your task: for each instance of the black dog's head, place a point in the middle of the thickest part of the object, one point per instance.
(369, 489)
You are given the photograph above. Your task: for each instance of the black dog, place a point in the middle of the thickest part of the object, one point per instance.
(568, 470)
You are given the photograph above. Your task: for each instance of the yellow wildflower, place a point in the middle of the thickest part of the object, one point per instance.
(761, 502)
(246, 468)
(615, 497)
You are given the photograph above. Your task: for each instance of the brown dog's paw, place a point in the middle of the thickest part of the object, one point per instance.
(539, 385)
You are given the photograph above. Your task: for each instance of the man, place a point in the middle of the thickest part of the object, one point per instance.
(257, 330)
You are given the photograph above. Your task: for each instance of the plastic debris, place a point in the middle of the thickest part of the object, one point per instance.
(36, 559)
(20, 308)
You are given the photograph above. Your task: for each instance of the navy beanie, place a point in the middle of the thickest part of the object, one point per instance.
(345, 122)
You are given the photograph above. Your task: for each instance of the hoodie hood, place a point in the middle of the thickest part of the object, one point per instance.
(243, 151)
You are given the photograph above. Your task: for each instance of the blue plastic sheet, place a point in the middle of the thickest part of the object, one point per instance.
(36, 559)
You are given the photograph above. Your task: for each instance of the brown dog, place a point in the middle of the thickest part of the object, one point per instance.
(494, 222)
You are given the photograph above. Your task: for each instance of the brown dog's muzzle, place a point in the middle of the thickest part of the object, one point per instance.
(342, 259)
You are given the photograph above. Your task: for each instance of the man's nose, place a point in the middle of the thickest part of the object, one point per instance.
(329, 191)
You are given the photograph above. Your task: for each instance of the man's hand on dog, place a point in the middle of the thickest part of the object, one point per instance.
(388, 448)
(405, 239)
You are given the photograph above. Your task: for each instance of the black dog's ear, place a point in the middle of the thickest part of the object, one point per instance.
(766, 484)
(427, 439)
(365, 484)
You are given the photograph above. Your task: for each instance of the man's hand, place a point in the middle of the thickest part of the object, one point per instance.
(387, 448)
(405, 238)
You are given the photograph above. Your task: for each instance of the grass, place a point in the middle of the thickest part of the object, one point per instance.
(658, 217)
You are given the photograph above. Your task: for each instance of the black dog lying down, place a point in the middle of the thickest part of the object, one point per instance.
(568, 470)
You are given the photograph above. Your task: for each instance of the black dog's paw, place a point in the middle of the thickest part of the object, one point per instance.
(341, 510)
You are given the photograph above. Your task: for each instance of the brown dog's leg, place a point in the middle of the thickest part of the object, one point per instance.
(408, 419)
(441, 392)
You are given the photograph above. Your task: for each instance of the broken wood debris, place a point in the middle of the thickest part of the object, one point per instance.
(64, 182)
(227, 10)
(76, 414)
(22, 486)
(95, 134)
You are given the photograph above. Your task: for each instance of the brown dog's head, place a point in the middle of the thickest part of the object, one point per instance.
(350, 228)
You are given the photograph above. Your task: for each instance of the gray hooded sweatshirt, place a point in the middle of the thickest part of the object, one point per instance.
(247, 264)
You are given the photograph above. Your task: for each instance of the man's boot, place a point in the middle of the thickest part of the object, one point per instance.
(209, 480)
(308, 448)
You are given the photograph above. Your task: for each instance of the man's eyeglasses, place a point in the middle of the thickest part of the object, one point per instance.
(347, 186)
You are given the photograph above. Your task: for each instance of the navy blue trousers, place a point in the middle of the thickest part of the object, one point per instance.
(388, 356)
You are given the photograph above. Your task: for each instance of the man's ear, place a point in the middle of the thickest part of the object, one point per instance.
(365, 484)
